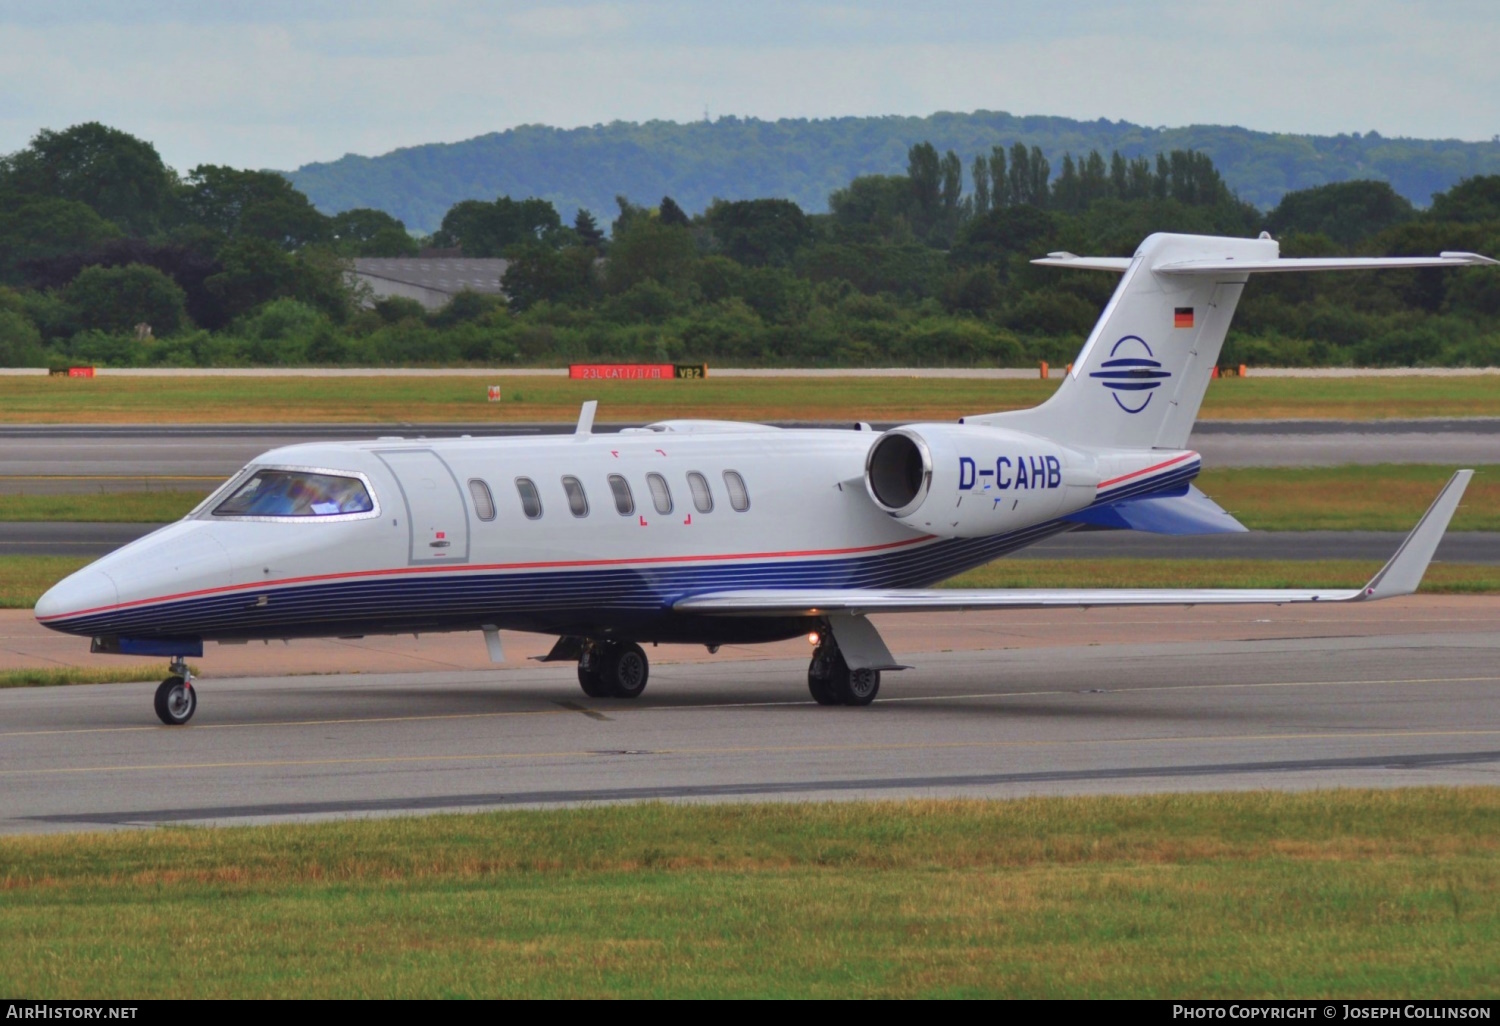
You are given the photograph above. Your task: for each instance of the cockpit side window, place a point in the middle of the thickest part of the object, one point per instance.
(296, 493)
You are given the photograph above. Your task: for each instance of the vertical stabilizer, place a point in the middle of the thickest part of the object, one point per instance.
(1140, 378)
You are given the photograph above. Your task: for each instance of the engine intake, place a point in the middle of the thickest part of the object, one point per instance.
(972, 481)
(899, 471)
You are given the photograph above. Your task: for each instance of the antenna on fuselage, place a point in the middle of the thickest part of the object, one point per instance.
(586, 419)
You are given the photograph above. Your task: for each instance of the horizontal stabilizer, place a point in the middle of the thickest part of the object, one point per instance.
(1191, 513)
(1222, 265)
(1276, 265)
(1398, 577)
(1116, 264)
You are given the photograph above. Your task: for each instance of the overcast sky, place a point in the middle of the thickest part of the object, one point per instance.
(284, 82)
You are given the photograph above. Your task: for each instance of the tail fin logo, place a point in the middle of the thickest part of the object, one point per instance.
(1130, 374)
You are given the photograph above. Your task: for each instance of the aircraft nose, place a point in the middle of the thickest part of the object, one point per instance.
(87, 589)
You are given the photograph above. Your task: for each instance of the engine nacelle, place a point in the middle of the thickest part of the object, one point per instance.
(969, 481)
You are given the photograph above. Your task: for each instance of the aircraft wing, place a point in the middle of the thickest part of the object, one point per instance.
(1400, 576)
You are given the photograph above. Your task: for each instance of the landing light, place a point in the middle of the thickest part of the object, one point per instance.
(813, 639)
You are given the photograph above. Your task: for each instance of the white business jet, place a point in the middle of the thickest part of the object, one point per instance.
(714, 532)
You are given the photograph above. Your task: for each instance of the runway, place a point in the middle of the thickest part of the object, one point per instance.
(1068, 702)
(82, 458)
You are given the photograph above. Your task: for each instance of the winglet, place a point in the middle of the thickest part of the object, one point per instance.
(586, 419)
(1404, 572)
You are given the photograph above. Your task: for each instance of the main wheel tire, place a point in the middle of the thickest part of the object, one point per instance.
(820, 683)
(590, 678)
(856, 687)
(176, 701)
(625, 670)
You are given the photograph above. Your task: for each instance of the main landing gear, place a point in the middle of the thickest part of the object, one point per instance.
(832, 682)
(613, 669)
(176, 700)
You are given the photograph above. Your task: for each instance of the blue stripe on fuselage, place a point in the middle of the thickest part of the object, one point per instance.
(455, 598)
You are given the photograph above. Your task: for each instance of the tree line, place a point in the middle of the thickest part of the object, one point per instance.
(108, 256)
(805, 160)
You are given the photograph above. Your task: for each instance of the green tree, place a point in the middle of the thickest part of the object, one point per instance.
(649, 251)
(670, 213)
(924, 172)
(42, 228)
(1473, 199)
(116, 299)
(980, 172)
(1346, 212)
(1119, 176)
(760, 232)
(371, 233)
(490, 229)
(557, 276)
(256, 271)
(1066, 191)
(1000, 194)
(20, 342)
(1022, 231)
(630, 213)
(1093, 180)
(120, 177)
(872, 207)
(588, 229)
(252, 204)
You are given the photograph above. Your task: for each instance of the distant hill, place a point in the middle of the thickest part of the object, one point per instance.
(802, 160)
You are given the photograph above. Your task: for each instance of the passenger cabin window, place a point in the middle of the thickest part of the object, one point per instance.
(624, 501)
(661, 495)
(578, 503)
(739, 498)
(703, 499)
(484, 502)
(531, 500)
(296, 493)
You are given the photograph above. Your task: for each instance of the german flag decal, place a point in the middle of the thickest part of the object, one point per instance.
(1182, 317)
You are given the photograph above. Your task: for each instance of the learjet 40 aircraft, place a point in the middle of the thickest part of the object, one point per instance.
(714, 532)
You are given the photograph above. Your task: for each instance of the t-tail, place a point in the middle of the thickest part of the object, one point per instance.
(1141, 376)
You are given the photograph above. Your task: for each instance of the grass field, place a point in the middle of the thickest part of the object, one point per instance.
(1349, 893)
(153, 507)
(37, 677)
(24, 578)
(39, 400)
(1366, 498)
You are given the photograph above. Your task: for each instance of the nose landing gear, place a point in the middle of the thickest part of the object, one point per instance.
(176, 700)
(613, 669)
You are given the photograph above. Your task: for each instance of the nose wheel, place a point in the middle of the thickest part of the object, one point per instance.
(176, 699)
(613, 669)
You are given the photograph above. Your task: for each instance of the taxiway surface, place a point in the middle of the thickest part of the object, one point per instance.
(1395, 693)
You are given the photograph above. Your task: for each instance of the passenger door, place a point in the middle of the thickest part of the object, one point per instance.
(436, 513)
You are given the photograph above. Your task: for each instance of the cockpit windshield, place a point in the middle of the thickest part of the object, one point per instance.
(296, 493)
